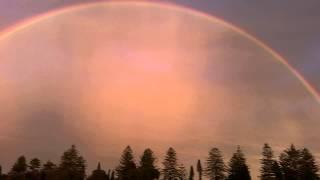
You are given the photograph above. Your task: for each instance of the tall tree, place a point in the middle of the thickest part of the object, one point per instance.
(215, 167)
(199, 169)
(191, 173)
(289, 161)
(308, 167)
(35, 164)
(19, 169)
(171, 169)
(238, 169)
(182, 172)
(276, 168)
(20, 165)
(268, 164)
(127, 167)
(147, 168)
(72, 165)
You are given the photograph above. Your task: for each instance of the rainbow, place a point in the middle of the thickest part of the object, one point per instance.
(24, 24)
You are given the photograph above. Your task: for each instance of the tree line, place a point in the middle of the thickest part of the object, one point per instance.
(292, 164)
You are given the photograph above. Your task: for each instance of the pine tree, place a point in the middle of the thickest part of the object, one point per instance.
(20, 166)
(308, 167)
(127, 168)
(277, 171)
(49, 171)
(289, 161)
(268, 164)
(238, 169)
(147, 168)
(215, 167)
(199, 169)
(72, 165)
(171, 168)
(191, 173)
(182, 172)
(49, 166)
(98, 174)
(35, 164)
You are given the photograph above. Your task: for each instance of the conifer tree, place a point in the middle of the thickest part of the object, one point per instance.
(147, 168)
(35, 164)
(238, 169)
(199, 169)
(268, 164)
(191, 173)
(49, 166)
(289, 161)
(20, 166)
(98, 174)
(308, 166)
(72, 165)
(277, 171)
(19, 169)
(215, 167)
(171, 168)
(49, 171)
(127, 167)
(182, 172)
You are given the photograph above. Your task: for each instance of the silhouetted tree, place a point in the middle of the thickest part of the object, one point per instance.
(35, 164)
(49, 171)
(171, 169)
(147, 168)
(238, 169)
(277, 171)
(127, 170)
(294, 164)
(20, 165)
(308, 167)
(19, 169)
(268, 164)
(199, 169)
(215, 167)
(49, 166)
(72, 165)
(289, 161)
(191, 173)
(182, 172)
(98, 174)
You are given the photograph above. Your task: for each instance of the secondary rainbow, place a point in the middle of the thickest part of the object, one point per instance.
(33, 20)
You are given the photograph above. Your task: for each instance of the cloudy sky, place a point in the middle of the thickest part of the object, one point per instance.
(110, 71)
(291, 27)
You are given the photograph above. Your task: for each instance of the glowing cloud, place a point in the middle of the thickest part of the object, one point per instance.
(104, 75)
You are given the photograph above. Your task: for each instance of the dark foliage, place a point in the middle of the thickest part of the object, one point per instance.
(199, 169)
(127, 169)
(293, 164)
(238, 169)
